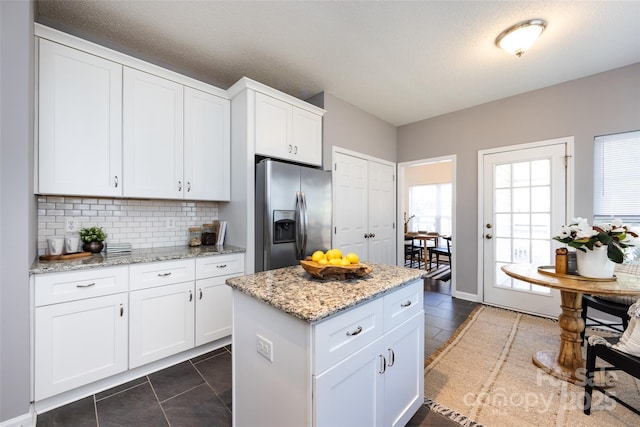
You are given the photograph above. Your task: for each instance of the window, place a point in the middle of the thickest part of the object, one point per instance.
(431, 205)
(616, 177)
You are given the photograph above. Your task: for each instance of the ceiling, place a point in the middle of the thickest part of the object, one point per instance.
(402, 61)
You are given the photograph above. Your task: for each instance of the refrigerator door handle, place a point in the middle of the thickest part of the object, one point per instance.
(304, 225)
(299, 229)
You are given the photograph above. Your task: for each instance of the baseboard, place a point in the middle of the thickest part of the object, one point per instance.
(466, 296)
(26, 420)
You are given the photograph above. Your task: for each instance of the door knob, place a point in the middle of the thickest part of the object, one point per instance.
(488, 226)
(488, 236)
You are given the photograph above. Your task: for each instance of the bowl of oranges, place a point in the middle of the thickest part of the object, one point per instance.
(333, 265)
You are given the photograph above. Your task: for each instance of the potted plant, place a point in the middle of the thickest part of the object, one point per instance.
(92, 239)
(597, 247)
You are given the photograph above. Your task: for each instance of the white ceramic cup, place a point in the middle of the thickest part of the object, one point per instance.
(56, 245)
(71, 244)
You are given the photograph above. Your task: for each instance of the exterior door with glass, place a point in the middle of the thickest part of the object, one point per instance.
(524, 203)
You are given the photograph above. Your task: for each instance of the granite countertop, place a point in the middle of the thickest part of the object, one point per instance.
(294, 291)
(136, 256)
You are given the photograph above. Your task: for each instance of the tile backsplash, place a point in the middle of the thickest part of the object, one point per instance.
(143, 223)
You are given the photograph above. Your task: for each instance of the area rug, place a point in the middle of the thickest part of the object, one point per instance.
(443, 272)
(484, 376)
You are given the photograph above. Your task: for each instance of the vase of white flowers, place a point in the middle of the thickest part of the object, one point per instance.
(598, 247)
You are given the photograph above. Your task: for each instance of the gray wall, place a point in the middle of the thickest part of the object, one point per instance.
(601, 104)
(17, 203)
(346, 126)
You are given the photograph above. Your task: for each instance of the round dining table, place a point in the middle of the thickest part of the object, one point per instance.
(567, 362)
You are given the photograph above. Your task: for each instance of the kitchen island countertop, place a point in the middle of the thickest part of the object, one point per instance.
(136, 256)
(295, 292)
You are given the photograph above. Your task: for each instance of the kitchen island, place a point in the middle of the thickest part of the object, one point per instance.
(326, 352)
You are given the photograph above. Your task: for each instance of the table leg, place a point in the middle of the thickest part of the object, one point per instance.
(564, 363)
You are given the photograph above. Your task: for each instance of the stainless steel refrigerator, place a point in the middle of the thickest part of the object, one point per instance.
(293, 213)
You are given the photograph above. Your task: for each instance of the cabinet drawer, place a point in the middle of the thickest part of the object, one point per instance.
(219, 265)
(143, 276)
(338, 337)
(63, 287)
(402, 304)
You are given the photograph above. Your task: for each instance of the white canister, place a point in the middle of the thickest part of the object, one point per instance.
(71, 244)
(56, 245)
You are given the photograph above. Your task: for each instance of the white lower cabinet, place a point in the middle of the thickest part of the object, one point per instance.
(80, 329)
(92, 324)
(362, 367)
(379, 385)
(161, 323)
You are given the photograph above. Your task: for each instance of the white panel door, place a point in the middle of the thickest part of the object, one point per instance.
(162, 322)
(152, 136)
(207, 146)
(524, 205)
(404, 375)
(79, 342)
(306, 137)
(381, 213)
(352, 392)
(213, 309)
(273, 127)
(350, 205)
(79, 123)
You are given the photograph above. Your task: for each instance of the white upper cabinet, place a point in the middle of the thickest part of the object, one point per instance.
(152, 136)
(207, 147)
(112, 125)
(286, 131)
(79, 123)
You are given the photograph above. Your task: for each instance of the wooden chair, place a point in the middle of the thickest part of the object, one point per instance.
(413, 252)
(617, 307)
(619, 360)
(440, 250)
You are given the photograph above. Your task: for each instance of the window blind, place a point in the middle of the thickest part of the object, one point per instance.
(617, 177)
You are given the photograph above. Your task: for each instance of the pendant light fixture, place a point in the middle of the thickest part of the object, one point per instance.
(520, 37)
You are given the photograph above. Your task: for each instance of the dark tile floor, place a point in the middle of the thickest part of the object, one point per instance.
(198, 392)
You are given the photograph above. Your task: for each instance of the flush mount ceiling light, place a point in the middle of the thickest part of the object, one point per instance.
(518, 38)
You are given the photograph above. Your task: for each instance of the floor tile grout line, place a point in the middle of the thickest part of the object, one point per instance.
(211, 387)
(153, 390)
(95, 408)
(120, 391)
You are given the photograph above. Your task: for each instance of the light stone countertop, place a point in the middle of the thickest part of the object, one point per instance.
(294, 291)
(136, 256)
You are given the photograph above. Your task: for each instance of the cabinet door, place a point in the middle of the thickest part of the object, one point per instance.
(161, 323)
(79, 123)
(152, 136)
(352, 392)
(213, 309)
(404, 376)
(79, 342)
(207, 146)
(306, 136)
(273, 127)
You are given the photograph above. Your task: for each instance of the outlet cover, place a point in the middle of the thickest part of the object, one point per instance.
(71, 225)
(264, 347)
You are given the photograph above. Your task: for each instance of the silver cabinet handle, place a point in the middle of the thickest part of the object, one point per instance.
(383, 365)
(221, 266)
(116, 181)
(354, 332)
(179, 185)
(86, 285)
(392, 357)
(188, 186)
(200, 293)
(190, 296)
(405, 304)
(295, 149)
(121, 310)
(164, 274)
(289, 147)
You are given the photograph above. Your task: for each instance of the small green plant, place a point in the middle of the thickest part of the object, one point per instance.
(93, 234)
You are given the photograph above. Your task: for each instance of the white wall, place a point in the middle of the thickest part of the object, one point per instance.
(17, 205)
(601, 104)
(346, 126)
